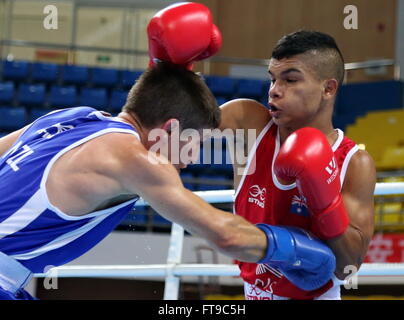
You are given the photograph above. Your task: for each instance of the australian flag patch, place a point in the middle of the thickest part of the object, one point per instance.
(299, 206)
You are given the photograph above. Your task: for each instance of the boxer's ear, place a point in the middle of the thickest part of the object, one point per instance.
(330, 88)
(171, 125)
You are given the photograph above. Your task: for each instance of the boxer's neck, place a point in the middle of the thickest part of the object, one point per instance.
(134, 122)
(328, 130)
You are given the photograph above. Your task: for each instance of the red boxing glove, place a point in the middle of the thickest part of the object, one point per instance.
(214, 45)
(307, 157)
(183, 33)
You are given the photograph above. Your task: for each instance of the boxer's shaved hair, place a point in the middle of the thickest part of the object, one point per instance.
(169, 91)
(321, 49)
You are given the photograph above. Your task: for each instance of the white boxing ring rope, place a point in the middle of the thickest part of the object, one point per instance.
(369, 273)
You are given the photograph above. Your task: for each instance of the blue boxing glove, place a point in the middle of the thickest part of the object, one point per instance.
(304, 260)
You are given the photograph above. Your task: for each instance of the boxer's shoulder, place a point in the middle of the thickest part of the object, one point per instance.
(92, 174)
(362, 158)
(244, 114)
(361, 162)
(105, 154)
(361, 174)
(114, 148)
(126, 161)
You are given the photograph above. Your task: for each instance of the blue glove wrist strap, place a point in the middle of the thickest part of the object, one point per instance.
(281, 246)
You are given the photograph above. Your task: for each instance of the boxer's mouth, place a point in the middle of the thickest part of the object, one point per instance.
(273, 108)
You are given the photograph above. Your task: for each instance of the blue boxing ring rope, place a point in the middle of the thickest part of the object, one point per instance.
(172, 270)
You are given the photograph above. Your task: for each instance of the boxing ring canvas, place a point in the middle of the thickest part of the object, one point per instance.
(173, 269)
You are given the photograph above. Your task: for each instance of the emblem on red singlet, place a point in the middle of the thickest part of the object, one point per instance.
(257, 196)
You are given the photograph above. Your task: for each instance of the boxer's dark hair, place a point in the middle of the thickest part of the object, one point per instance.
(169, 91)
(329, 61)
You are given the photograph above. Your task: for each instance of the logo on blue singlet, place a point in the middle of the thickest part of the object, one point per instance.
(54, 130)
(299, 206)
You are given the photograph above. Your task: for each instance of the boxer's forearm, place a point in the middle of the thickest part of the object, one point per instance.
(350, 250)
(227, 233)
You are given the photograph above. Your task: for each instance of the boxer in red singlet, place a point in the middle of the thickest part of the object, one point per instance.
(182, 34)
(280, 184)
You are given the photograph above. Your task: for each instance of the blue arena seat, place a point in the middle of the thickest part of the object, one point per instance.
(213, 183)
(7, 92)
(135, 218)
(12, 118)
(31, 94)
(118, 99)
(222, 161)
(94, 97)
(44, 72)
(221, 100)
(16, 70)
(203, 161)
(104, 77)
(63, 96)
(140, 218)
(160, 221)
(128, 78)
(342, 121)
(361, 98)
(213, 158)
(75, 75)
(222, 86)
(250, 88)
(264, 101)
(264, 98)
(188, 185)
(37, 113)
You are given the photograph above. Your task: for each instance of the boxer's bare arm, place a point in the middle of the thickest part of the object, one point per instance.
(358, 197)
(7, 141)
(141, 172)
(243, 114)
